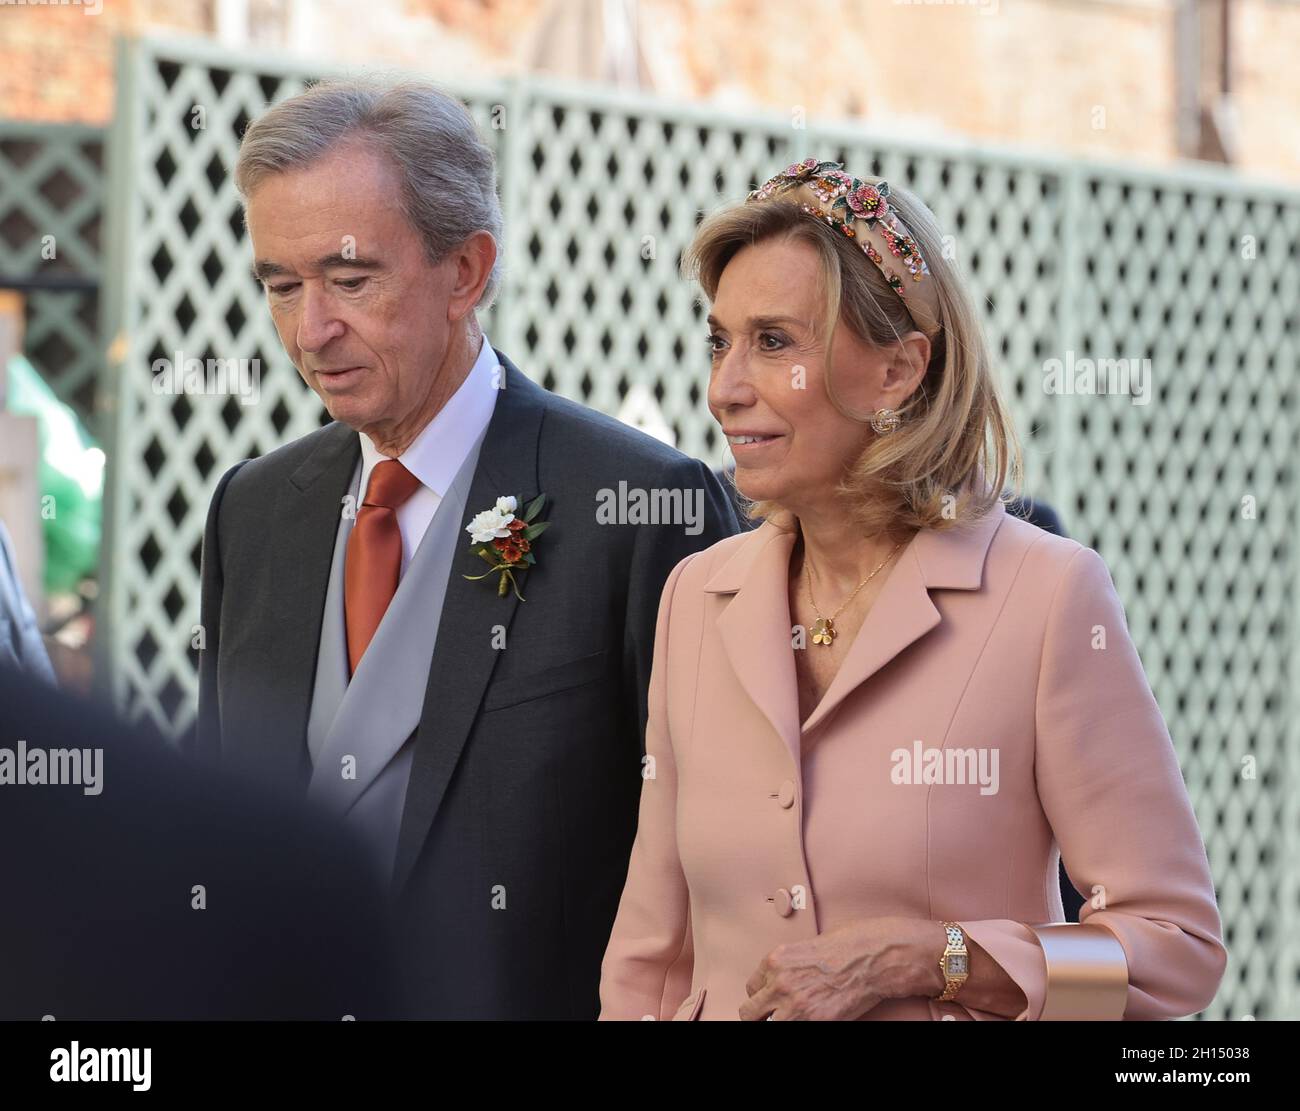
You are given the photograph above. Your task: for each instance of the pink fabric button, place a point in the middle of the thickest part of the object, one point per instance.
(784, 907)
(786, 794)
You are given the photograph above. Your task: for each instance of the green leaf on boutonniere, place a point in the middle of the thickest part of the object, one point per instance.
(532, 532)
(533, 508)
(528, 557)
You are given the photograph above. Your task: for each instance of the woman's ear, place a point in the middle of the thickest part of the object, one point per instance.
(906, 369)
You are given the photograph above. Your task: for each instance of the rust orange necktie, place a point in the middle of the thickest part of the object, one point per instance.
(373, 562)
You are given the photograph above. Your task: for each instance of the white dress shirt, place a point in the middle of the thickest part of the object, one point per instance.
(438, 452)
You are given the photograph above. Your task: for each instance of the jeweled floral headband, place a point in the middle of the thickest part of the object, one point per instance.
(861, 210)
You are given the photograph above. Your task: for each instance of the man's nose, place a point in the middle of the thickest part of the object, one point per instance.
(317, 322)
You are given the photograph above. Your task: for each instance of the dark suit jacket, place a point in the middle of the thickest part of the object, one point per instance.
(525, 781)
(1037, 513)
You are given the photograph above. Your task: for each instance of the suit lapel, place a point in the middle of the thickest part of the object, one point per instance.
(755, 628)
(463, 656)
(306, 520)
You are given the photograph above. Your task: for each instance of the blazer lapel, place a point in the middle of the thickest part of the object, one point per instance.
(463, 656)
(948, 559)
(755, 628)
(306, 520)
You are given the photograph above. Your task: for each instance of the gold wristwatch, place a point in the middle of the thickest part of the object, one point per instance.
(955, 962)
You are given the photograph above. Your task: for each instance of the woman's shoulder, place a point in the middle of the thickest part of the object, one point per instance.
(1016, 534)
(1049, 558)
(731, 552)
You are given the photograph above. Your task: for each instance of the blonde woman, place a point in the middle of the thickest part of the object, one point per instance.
(876, 720)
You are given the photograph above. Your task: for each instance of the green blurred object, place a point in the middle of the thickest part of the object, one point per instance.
(71, 478)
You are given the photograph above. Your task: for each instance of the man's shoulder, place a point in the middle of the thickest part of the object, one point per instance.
(574, 431)
(277, 465)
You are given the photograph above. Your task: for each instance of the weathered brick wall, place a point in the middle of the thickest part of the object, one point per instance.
(1266, 77)
(56, 60)
(1084, 76)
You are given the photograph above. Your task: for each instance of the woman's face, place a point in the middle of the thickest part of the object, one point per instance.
(767, 388)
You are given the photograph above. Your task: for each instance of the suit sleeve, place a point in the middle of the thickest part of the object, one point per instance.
(649, 959)
(658, 549)
(206, 740)
(23, 647)
(1109, 782)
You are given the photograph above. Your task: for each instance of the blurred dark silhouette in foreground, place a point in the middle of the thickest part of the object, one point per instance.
(99, 889)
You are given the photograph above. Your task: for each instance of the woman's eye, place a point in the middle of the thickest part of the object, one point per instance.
(777, 342)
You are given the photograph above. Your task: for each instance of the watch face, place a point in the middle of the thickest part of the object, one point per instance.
(957, 965)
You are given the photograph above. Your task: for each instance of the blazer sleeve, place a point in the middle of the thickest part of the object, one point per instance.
(21, 645)
(1109, 783)
(205, 742)
(649, 959)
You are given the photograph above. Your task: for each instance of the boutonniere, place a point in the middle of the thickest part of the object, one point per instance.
(506, 541)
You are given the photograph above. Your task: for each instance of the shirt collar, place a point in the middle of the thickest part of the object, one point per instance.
(436, 454)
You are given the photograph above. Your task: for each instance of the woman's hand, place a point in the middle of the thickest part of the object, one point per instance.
(845, 972)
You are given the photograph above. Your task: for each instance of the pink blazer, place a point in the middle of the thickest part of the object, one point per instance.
(996, 638)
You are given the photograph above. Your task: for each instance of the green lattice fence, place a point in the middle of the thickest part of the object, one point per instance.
(1192, 270)
(51, 201)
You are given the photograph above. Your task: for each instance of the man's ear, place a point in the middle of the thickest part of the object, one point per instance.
(473, 261)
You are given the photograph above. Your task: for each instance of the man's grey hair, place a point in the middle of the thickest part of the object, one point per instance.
(449, 184)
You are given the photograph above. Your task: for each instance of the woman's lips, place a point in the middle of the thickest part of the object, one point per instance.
(753, 447)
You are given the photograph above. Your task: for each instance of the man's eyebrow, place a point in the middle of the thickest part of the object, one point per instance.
(264, 268)
(762, 321)
(333, 262)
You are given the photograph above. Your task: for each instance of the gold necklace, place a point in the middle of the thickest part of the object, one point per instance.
(823, 630)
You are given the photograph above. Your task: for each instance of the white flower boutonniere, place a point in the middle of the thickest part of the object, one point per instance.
(506, 541)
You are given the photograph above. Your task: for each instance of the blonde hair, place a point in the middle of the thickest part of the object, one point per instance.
(955, 448)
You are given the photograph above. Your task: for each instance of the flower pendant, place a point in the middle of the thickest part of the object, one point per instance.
(823, 631)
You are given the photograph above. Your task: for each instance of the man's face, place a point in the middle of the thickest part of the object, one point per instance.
(363, 314)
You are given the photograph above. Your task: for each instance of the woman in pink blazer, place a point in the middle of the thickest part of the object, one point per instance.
(878, 720)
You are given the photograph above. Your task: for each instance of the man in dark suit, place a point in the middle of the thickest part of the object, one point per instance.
(481, 731)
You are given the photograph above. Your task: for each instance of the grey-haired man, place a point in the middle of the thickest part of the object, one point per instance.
(486, 748)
